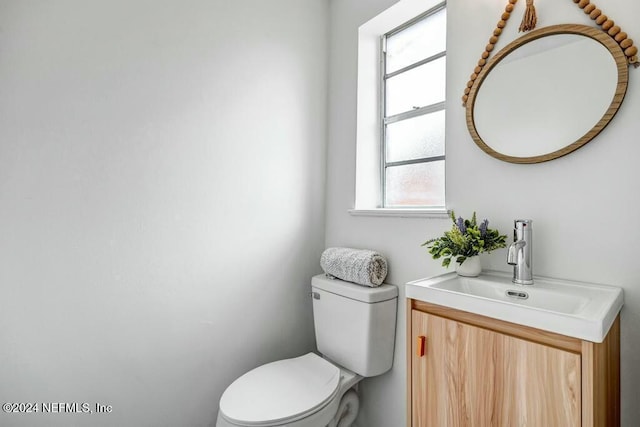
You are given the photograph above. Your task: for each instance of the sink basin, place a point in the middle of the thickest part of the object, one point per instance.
(576, 309)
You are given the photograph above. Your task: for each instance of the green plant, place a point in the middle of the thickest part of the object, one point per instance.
(465, 239)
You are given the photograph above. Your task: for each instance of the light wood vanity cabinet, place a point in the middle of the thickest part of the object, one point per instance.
(470, 370)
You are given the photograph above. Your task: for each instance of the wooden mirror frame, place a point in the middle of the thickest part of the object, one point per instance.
(583, 30)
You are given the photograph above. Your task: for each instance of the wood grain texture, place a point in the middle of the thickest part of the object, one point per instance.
(409, 354)
(601, 377)
(472, 376)
(532, 334)
(487, 365)
(621, 89)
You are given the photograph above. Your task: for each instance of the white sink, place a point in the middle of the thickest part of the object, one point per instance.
(576, 309)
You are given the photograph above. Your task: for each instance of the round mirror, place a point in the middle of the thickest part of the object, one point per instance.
(547, 93)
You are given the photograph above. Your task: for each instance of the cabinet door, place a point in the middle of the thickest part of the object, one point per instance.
(470, 376)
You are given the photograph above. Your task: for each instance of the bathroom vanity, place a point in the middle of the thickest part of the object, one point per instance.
(476, 358)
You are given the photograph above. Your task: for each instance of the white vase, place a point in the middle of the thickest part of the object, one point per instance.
(471, 267)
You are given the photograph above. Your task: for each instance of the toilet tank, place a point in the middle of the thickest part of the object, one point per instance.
(355, 325)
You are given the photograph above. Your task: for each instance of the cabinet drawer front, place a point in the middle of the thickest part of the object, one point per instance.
(470, 376)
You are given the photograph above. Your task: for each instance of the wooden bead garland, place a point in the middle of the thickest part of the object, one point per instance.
(487, 51)
(620, 36)
(610, 27)
(626, 43)
(613, 31)
(589, 8)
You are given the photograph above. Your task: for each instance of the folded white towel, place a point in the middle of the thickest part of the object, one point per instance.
(364, 267)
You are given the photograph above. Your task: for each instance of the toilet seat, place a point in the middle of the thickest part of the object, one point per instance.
(280, 392)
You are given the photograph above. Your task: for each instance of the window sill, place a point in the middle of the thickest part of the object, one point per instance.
(402, 212)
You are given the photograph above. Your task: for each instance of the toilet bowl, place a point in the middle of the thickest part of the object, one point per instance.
(355, 333)
(306, 391)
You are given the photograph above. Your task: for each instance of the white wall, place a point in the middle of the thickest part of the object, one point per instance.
(583, 205)
(162, 168)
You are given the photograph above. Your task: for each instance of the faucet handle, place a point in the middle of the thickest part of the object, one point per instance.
(521, 227)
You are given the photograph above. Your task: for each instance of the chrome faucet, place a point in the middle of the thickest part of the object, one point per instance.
(519, 253)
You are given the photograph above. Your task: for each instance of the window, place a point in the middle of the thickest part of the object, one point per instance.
(412, 104)
(401, 112)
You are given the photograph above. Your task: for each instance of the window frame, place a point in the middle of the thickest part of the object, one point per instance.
(416, 112)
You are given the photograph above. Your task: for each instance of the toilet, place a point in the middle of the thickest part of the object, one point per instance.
(355, 334)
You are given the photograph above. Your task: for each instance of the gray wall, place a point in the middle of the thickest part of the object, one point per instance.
(162, 168)
(583, 205)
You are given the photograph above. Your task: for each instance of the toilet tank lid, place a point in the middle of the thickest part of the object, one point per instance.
(365, 294)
